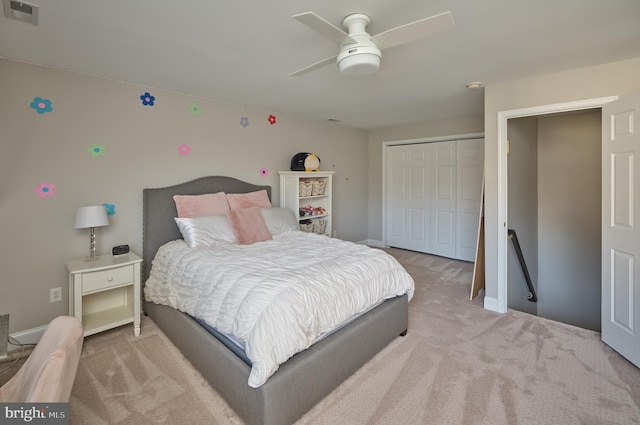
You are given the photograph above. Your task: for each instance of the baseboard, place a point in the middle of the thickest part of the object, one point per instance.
(491, 303)
(30, 336)
(372, 242)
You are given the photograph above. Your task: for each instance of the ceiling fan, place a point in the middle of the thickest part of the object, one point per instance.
(360, 52)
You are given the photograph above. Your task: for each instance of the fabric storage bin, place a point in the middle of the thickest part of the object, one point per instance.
(318, 187)
(306, 227)
(320, 226)
(306, 187)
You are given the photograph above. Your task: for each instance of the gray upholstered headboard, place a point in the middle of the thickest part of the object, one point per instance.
(159, 210)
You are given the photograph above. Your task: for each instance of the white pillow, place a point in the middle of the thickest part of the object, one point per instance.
(207, 230)
(279, 220)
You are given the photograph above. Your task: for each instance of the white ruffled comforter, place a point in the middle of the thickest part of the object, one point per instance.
(276, 296)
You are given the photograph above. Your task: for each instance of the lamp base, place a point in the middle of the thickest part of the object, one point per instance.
(92, 245)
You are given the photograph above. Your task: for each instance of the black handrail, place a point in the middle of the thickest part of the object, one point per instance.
(532, 292)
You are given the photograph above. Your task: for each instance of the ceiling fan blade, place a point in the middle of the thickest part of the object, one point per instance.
(322, 27)
(317, 65)
(387, 70)
(413, 31)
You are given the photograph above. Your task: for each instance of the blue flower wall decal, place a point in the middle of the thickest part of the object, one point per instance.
(41, 105)
(111, 209)
(147, 99)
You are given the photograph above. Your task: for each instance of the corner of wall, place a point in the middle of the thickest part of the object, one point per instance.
(373, 242)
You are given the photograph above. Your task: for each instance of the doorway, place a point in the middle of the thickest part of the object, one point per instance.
(554, 211)
(620, 237)
(499, 303)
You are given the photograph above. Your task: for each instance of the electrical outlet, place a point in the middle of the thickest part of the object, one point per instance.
(55, 295)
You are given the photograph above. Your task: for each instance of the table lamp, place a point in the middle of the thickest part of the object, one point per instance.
(92, 217)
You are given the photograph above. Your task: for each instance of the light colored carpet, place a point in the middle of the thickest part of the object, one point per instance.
(459, 364)
(122, 379)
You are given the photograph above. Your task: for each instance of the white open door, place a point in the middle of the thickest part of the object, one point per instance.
(620, 227)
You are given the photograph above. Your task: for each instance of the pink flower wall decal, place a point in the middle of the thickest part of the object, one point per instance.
(45, 189)
(184, 149)
(272, 119)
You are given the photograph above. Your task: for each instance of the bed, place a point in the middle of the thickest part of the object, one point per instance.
(302, 380)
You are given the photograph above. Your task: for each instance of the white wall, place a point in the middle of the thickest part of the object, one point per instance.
(523, 210)
(613, 79)
(140, 150)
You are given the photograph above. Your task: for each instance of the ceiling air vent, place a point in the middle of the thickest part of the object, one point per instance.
(21, 11)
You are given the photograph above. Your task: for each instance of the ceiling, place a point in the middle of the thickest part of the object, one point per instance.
(241, 51)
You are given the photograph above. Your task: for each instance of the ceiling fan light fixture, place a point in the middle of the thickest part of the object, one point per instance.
(360, 52)
(359, 61)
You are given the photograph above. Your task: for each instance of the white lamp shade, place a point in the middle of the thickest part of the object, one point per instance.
(95, 216)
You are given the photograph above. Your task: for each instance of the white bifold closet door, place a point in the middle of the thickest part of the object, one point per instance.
(433, 195)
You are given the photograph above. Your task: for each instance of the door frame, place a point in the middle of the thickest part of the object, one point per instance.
(499, 304)
(411, 142)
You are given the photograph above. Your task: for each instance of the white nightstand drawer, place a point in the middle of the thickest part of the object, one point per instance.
(95, 281)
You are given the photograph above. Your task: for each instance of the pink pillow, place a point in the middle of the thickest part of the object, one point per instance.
(258, 199)
(199, 205)
(248, 225)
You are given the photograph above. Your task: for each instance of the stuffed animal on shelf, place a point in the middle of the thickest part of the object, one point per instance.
(305, 161)
(309, 211)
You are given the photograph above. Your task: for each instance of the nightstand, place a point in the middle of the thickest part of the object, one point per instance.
(105, 293)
